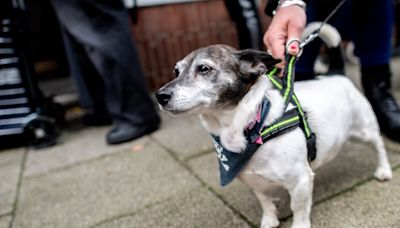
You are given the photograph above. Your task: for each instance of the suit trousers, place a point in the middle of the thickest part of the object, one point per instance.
(103, 58)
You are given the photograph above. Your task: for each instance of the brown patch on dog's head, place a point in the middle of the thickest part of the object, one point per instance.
(251, 64)
(214, 77)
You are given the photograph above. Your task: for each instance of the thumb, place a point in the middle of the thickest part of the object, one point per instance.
(294, 39)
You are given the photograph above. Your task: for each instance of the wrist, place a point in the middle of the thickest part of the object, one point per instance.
(287, 3)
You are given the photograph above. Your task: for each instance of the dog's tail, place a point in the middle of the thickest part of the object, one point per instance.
(328, 34)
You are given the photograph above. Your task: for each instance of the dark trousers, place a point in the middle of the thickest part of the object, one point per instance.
(103, 58)
(368, 23)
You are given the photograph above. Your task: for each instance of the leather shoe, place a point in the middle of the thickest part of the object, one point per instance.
(124, 132)
(387, 111)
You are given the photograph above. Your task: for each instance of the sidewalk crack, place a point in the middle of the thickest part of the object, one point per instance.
(5, 215)
(351, 188)
(209, 188)
(200, 154)
(18, 190)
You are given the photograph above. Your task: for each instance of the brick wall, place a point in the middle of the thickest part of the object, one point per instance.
(166, 33)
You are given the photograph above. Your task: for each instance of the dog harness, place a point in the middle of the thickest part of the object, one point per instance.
(231, 163)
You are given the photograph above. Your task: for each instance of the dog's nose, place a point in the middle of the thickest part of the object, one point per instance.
(163, 97)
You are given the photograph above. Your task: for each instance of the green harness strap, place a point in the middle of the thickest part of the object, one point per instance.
(294, 117)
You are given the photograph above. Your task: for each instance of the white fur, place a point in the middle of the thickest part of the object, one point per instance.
(336, 111)
(328, 33)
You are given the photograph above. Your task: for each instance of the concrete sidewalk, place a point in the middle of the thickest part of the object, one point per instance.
(170, 179)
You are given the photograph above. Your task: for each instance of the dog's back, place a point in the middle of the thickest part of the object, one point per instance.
(336, 111)
(340, 110)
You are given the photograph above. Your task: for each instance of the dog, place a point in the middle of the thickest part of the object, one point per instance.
(225, 87)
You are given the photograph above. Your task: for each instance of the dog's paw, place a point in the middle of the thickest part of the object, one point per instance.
(302, 225)
(267, 222)
(233, 141)
(383, 173)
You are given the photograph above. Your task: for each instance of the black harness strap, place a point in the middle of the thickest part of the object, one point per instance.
(288, 121)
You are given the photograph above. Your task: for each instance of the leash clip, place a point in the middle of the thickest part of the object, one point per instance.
(309, 38)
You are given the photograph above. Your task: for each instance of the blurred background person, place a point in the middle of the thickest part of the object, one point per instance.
(244, 14)
(104, 62)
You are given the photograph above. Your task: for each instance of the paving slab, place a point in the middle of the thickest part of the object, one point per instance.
(198, 208)
(395, 66)
(85, 194)
(11, 156)
(10, 168)
(373, 204)
(75, 146)
(183, 135)
(392, 145)
(5, 221)
(354, 165)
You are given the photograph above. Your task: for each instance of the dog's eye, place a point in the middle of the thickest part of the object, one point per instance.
(176, 72)
(203, 69)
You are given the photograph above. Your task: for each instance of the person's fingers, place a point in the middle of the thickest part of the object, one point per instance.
(278, 47)
(275, 42)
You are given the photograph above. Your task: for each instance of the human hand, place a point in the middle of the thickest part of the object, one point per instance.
(287, 24)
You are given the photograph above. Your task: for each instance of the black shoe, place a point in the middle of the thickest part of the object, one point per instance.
(124, 132)
(377, 90)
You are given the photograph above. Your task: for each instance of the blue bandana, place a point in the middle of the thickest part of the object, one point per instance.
(230, 163)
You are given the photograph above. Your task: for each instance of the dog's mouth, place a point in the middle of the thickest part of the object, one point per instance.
(172, 111)
(180, 109)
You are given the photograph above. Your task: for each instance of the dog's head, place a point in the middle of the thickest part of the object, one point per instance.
(214, 77)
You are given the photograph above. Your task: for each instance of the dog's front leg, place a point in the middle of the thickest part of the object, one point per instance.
(301, 198)
(269, 218)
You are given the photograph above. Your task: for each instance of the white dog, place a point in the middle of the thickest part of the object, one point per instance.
(226, 88)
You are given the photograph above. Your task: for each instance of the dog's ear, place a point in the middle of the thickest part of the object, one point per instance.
(253, 63)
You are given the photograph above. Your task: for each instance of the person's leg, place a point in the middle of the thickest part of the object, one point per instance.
(305, 64)
(104, 30)
(318, 10)
(245, 15)
(397, 27)
(372, 37)
(88, 82)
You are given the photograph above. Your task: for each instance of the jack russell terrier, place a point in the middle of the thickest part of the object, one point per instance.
(228, 88)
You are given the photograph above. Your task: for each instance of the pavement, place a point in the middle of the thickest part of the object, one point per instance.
(170, 179)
